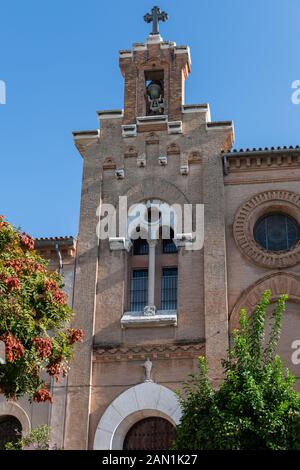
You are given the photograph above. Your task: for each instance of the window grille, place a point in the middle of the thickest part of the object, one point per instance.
(140, 247)
(169, 289)
(139, 290)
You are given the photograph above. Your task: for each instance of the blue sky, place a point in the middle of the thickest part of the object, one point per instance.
(59, 60)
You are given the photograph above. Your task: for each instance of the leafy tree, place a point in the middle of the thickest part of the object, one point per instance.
(37, 439)
(256, 406)
(34, 318)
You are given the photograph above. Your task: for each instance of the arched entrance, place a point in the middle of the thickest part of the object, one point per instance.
(10, 430)
(151, 433)
(146, 400)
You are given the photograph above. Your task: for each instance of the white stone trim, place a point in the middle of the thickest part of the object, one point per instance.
(14, 409)
(175, 127)
(183, 50)
(154, 39)
(125, 54)
(138, 402)
(139, 47)
(167, 44)
(151, 119)
(139, 320)
(118, 114)
(119, 243)
(129, 130)
(221, 127)
(85, 136)
(197, 109)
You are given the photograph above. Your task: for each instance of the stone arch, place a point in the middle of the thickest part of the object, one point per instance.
(173, 149)
(109, 164)
(156, 188)
(14, 409)
(138, 402)
(278, 283)
(131, 152)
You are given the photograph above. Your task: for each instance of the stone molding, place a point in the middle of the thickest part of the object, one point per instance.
(14, 409)
(262, 159)
(153, 351)
(138, 402)
(278, 283)
(250, 211)
(149, 318)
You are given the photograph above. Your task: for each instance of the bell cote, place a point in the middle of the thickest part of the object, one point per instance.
(154, 74)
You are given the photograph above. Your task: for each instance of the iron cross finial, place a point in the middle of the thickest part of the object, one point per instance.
(155, 16)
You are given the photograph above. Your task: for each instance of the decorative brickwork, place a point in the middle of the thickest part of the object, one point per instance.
(250, 211)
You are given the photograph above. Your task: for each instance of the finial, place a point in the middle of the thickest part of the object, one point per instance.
(155, 17)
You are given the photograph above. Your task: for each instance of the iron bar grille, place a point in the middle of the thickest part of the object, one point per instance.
(169, 289)
(139, 290)
(140, 247)
(169, 246)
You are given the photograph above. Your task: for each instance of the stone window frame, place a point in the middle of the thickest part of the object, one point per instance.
(282, 201)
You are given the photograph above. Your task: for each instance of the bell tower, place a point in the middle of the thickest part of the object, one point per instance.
(154, 72)
(164, 297)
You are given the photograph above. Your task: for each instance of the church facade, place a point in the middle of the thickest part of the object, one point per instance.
(150, 306)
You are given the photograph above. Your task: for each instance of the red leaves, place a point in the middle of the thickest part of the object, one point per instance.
(50, 285)
(2, 222)
(57, 295)
(75, 335)
(42, 395)
(12, 283)
(26, 241)
(14, 349)
(43, 346)
(23, 265)
(16, 264)
(60, 297)
(55, 369)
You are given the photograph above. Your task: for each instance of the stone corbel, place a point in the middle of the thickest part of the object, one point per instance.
(163, 160)
(141, 161)
(184, 169)
(120, 173)
(119, 243)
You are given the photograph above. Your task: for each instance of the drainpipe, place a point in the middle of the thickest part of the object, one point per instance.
(60, 263)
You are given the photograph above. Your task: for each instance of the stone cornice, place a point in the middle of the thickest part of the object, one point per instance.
(261, 159)
(153, 351)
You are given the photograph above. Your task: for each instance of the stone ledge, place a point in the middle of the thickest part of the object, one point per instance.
(122, 352)
(160, 319)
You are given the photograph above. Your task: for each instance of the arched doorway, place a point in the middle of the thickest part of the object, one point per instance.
(10, 430)
(153, 433)
(146, 400)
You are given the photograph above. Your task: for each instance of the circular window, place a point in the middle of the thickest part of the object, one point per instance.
(276, 232)
(266, 228)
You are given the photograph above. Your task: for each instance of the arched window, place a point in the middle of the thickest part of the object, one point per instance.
(153, 278)
(140, 247)
(168, 245)
(276, 232)
(10, 430)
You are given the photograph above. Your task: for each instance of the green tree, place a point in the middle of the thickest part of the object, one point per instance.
(256, 406)
(37, 439)
(34, 318)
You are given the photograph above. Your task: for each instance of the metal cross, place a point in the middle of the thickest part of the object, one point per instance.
(155, 16)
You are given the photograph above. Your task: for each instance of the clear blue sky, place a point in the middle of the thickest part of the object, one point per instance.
(59, 59)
